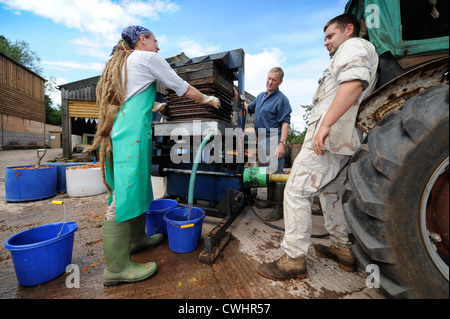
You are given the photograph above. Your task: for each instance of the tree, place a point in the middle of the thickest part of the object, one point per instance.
(308, 109)
(53, 115)
(20, 52)
(295, 136)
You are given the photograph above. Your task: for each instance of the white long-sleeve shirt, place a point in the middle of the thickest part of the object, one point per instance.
(144, 68)
(356, 59)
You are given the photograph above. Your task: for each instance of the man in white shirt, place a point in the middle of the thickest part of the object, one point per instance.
(330, 141)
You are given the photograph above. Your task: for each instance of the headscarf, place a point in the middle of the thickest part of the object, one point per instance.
(131, 34)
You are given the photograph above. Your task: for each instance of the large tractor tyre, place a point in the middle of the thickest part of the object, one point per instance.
(398, 208)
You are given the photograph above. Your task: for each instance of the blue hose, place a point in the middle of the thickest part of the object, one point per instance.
(194, 168)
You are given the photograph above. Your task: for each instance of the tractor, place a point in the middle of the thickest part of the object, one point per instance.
(397, 202)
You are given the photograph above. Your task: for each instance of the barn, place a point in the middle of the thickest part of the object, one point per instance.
(22, 108)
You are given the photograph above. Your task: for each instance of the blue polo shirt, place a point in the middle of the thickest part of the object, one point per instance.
(270, 112)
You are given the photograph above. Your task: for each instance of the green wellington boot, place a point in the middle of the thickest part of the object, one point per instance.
(278, 196)
(270, 198)
(139, 239)
(116, 249)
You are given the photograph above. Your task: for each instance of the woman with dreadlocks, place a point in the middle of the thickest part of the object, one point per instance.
(126, 93)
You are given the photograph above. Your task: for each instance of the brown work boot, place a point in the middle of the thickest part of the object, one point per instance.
(284, 268)
(342, 255)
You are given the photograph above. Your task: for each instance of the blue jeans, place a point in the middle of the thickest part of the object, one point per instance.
(267, 159)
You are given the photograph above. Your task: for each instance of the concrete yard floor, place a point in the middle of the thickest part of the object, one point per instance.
(233, 275)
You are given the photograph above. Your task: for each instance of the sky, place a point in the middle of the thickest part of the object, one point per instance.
(74, 38)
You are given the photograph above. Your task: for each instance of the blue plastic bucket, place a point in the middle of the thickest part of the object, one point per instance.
(23, 185)
(154, 218)
(61, 175)
(39, 254)
(184, 229)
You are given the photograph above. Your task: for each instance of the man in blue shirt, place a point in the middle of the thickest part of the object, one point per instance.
(272, 117)
(272, 113)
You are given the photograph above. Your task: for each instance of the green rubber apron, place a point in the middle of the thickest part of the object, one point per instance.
(130, 173)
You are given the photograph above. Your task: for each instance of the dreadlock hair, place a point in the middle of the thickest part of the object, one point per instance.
(110, 99)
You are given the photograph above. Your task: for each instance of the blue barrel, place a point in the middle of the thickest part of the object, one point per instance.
(184, 228)
(24, 185)
(61, 174)
(39, 254)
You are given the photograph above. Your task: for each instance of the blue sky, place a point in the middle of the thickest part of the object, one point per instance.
(74, 38)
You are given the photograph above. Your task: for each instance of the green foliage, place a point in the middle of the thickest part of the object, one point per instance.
(295, 136)
(52, 115)
(20, 52)
(308, 109)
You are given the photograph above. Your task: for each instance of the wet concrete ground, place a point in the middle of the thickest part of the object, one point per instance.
(180, 276)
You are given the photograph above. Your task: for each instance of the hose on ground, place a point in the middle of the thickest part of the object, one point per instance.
(279, 227)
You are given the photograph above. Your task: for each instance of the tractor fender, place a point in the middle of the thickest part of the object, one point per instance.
(395, 93)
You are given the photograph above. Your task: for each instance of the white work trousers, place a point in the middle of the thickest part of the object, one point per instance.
(310, 174)
(111, 210)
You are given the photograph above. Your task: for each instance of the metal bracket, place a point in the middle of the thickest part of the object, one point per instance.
(229, 207)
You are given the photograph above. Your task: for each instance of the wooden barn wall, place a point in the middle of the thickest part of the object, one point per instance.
(21, 92)
(87, 109)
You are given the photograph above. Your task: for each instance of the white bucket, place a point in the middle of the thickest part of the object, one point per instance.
(84, 182)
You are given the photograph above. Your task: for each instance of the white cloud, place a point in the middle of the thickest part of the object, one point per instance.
(53, 92)
(299, 85)
(87, 47)
(162, 39)
(257, 67)
(68, 65)
(149, 9)
(299, 91)
(195, 49)
(103, 18)
(300, 81)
